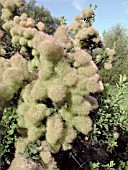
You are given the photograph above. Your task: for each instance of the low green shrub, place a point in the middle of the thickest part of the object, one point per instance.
(110, 126)
(8, 134)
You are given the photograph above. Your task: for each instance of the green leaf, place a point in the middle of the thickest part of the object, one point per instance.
(1, 150)
(26, 154)
(34, 150)
(10, 132)
(8, 142)
(13, 126)
(38, 142)
(106, 126)
(35, 157)
(112, 163)
(2, 130)
(10, 138)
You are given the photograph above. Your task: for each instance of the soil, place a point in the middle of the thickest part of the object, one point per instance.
(83, 153)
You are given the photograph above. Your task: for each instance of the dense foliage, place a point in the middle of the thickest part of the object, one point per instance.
(117, 38)
(110, 129)
(8, 132)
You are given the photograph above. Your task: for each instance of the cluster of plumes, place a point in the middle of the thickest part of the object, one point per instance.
(87, 15)
(82, 21)
(85, 36)
(22, 30)
(54, 107)
(13, 74)
(2, 51)
(111, 54)
(20, 163)
(104, 57)
(9, 8)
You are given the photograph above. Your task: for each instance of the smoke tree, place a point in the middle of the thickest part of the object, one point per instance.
(55, 83)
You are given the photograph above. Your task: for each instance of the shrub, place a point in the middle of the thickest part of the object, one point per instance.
(8, 134)
(54, 84)
(111, 125)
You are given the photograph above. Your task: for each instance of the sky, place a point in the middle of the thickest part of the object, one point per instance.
(108, 12)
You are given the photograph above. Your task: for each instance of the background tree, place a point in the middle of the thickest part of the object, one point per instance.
(41, 14)
(117, 36)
